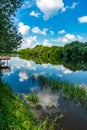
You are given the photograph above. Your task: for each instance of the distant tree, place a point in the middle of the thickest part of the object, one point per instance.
(10, 39)
(75, 51)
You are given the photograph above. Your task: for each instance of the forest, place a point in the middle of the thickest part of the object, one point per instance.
(74, 51)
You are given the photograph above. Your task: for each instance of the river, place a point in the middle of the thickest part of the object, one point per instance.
(22, 75)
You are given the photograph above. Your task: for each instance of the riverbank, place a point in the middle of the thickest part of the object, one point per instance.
(30, 115)
(13, 114)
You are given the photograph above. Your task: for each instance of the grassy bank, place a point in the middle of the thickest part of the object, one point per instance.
(13, 114)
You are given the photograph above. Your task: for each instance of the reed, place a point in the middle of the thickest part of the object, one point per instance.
(33, 97)
(68, 91)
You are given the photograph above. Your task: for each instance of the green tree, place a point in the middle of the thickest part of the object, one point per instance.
(75, 51)
(10, 39)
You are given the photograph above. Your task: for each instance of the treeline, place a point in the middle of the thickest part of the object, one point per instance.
(70, 52)
(42, 54)
(75, 51)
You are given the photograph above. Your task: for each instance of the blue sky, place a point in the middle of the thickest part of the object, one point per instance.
(52, 22)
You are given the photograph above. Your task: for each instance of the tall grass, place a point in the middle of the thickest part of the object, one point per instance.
(69, 91)
(13, 114)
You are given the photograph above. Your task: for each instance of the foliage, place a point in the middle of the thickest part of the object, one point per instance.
(75, 65)
(75, 51)
(51, 122)
(72, 56)
(10, 39)
(42, 54)
(13, 114)
(68, 91)
(33, 97)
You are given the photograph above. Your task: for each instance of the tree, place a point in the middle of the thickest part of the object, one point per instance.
(10, 39)
(75, 51)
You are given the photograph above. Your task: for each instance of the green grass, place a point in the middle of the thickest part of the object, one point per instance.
(33, 97)
(51, 122)
(13, 114)
(68, 91)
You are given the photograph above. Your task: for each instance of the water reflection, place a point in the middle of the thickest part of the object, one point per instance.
(27, 76)
(22, 74)
(4, 68)
(74, 65)
(47, 98)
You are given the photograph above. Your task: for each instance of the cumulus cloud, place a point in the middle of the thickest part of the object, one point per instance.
(50, 7)
(29, 42)
(79, 37)
(23, 29)
(82, 19)
(67, 38)
(33, 13)
(23, 76)
(47, 98)
(67, 71)
(46, 43)
(62, 32)
(70, 36)
(37, 30)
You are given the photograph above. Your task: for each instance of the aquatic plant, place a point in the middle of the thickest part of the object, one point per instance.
(51, 122)
(33, 97)
(68, 91)
(43, 81)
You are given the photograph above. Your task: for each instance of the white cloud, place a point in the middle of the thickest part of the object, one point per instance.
(82, 19)
(23, 29)
(26, 4)
(67, 71)
(37, 30)
(79, 37)
(74, 4)
(47, 98)
(29, 66)
(29, 42)
(50, 7)
(35, 14)
(46, 43)
(62, 32)
(70, 36)
(52, 33)
(59, 75)
(67, 38)
(23, 76)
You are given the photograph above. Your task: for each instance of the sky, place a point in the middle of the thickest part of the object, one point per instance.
(52, 22)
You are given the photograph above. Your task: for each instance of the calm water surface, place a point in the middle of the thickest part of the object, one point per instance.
(22, 77)
(19, 77)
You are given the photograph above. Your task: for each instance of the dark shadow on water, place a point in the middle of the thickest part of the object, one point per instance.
(75, 116)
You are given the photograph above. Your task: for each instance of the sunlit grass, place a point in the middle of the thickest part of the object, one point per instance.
(13, 114)
(33, 97)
